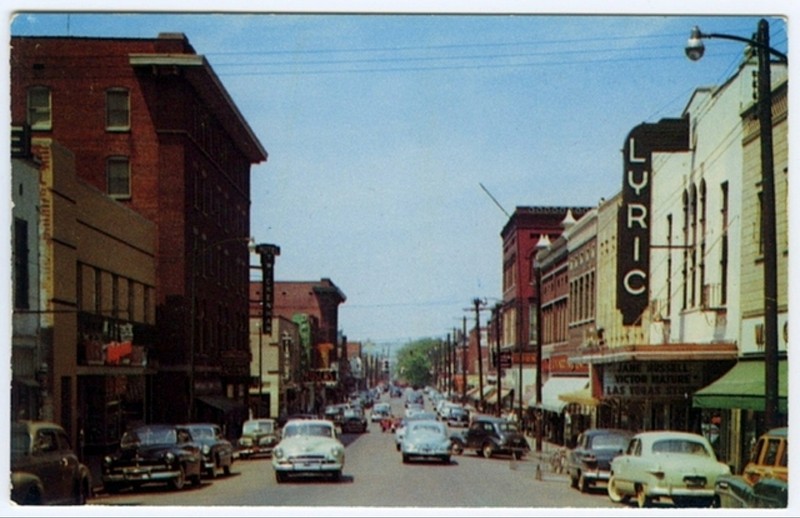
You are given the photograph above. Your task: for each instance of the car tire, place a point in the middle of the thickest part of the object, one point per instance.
(613, 492)
(226, 469)
(280, 477)
(487, 450)
(445, 459)
(179, 482)
(517, 455)
(457, 448)
(112, 488)
(196, 479)
(336, 476)
(212, 472)
(573, 481)
(83, 492)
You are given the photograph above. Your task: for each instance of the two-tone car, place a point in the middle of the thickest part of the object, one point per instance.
(154, 453)
(308, 447)
(259, 437)
(679, 467)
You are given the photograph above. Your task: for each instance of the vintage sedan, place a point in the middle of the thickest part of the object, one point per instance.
(354, 420)
(154, 453)
(589, 462)
(216, 449)
(426, 439)
(679, 466)
(308, 448)
(489, 435)
(259, 436)
(44, 467)
(764, 482)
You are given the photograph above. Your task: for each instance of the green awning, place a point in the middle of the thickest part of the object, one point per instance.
(742, 387)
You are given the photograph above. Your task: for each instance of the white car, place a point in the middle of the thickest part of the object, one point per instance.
(308, 447)
(426, 439)
(678, 466)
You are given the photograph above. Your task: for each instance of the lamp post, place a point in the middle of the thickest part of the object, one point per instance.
(694, 51)
(478, 303)
(195, 255)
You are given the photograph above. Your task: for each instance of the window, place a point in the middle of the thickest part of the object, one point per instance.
(118, 110)
(39, 108)
(118, 175)
(21, 259)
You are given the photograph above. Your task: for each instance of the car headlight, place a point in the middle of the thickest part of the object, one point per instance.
(277, 453)
(107, 460)
(206, 449)
(169, 457)
(337, 451)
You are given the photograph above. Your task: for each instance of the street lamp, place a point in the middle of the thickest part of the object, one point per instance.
(694, 51)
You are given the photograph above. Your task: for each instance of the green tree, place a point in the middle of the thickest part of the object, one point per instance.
(415, 361)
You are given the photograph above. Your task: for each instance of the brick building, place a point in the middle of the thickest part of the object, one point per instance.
(151, 126)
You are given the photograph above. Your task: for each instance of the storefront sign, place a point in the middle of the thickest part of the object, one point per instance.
(641, 380)
(633, 220)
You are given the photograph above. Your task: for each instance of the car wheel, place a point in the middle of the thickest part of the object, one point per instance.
(517, 455)
(227, 469)
(196, 479)
(82, 492)
(33, 497)
(573, 481)
(642, 500)
(212, 472)
(179, 481)
(446, 459)
(280, 477)
(488, 450)
(112, 488)
(457, 448)
(614, 493)
(406, 458)
(336, 476)
(583, 484)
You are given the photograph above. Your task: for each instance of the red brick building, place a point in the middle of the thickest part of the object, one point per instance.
(152, 126)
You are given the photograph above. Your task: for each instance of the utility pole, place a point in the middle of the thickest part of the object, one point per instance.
(464, 358)
(477, 303)
(498, 367)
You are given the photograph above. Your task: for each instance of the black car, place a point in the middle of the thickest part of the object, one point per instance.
(489, 435)
(354, 421)
(589, 461)
(44, 467)
(216, 449)
(156, 453)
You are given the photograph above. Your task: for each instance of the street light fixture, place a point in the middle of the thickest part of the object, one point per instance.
(694, 51)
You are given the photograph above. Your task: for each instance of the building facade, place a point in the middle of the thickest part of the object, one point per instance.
(153, 128)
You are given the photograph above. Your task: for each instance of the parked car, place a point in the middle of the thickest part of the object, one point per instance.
(44, 468)
(764, 482)
(216, 449)
(308, 447)
(155, 453)
(354, 421)
(426, 440)
(679, 466)
(458, 441)
(589, 461)
(489, 436)
(259, 437)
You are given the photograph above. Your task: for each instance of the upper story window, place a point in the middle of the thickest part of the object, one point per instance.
(118, 177)
(39, 108)
(118, 110)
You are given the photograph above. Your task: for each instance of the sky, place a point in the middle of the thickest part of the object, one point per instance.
(400, 141)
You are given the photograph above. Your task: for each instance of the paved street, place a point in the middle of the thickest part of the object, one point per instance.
(374, 476)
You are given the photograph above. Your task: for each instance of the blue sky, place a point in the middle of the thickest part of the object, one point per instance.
(381, 128)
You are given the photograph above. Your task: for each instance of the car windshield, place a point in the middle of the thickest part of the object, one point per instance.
(310, 429)
(609, 442)
(508, 427)
(202, 432)
(147, 435)
(258, 427)
(680, 446)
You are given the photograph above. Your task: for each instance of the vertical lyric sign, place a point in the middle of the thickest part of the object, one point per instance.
(633, 220)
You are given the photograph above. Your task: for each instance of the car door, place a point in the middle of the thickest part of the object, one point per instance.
(625, 466)
(51, 465)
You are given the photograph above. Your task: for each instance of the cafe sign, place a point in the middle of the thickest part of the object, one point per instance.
(647, 380)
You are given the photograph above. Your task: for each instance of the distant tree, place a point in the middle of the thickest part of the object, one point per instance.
(415, 361)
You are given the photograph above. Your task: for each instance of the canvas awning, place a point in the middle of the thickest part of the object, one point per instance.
(743, 387)
(581, 397)
(556, 386)
(492, 398)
